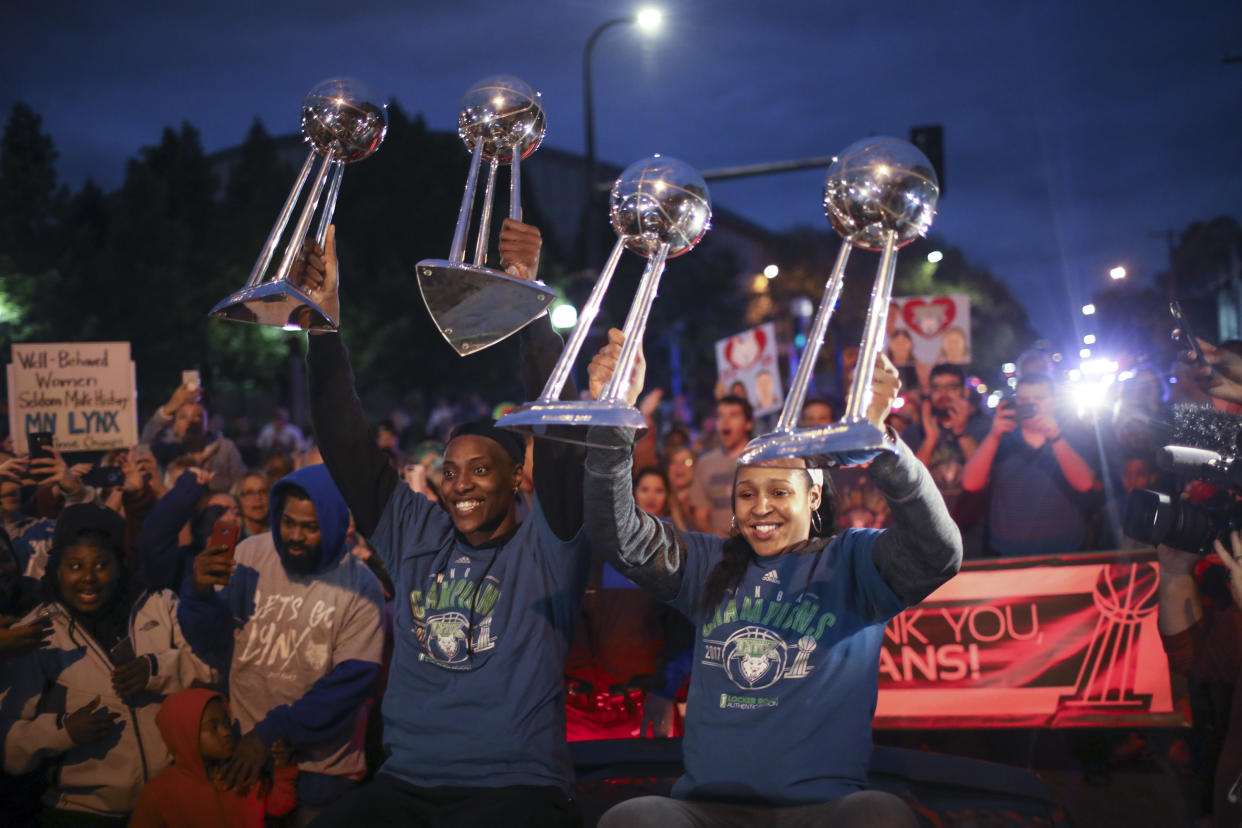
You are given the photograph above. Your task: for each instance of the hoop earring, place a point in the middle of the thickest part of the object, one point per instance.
(817, 523)
(733, 523)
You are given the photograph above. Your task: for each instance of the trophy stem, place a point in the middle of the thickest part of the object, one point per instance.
(304, 220)
(636, 325)
(814, 342)
(282, 221)
(881, 295)
(329, 203)
(485, 217)
(458, 253)
(515, 185)
(560, 373)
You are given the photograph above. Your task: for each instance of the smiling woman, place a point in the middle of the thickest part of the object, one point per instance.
(87, 698)
(788, 626)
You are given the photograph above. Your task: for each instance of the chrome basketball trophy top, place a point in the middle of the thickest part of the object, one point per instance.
(880, 194)
(343, 121)
(877, 185)
(660, 201)
(659, 208)
(501, 122)
(503, 112)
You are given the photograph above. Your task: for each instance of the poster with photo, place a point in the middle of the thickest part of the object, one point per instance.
(746, 365)
(929, 330)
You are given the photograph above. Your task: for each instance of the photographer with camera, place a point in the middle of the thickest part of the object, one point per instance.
(1204, 644)
(1207, 646)
(1039, 479)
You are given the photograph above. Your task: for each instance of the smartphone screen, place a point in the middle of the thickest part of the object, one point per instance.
(190, 379)
(122, 652)
(38, 444)
(224, 533)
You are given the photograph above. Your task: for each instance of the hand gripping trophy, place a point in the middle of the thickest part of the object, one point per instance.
(880, 195)
(343, 122)
(659, 209)
(474, 306)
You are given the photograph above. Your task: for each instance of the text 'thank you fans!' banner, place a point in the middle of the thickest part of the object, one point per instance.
(1067, 641)
(82, 392)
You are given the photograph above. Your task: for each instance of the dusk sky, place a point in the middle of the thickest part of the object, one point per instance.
(1076, 133)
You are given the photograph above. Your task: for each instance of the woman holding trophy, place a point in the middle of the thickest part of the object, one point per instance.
(789, 621)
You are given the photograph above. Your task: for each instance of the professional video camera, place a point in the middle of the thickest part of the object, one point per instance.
(1206, 444)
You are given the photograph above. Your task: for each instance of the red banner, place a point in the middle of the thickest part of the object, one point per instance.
(1065, 641)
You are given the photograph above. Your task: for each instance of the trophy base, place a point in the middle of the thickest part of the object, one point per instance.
(476, 307)
(839, 441)
(568, 421)
(277, 304)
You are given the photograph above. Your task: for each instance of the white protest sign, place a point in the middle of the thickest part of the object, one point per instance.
(82, 392)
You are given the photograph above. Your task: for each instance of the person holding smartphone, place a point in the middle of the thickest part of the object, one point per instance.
(86, 699)
(1037, 470)
(179, 427)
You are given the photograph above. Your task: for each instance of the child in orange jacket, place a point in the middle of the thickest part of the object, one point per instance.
(198, 730)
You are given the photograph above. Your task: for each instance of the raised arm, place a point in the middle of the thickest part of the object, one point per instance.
(649, 551)
(923, 547)
(358, 467)
(557, 465)
(978, 468)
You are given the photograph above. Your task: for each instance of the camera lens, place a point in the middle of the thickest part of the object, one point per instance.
(1157, 518)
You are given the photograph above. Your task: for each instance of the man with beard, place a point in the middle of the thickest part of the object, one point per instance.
(297, 618)
(946, 436)
(711, 492)
(474, 711)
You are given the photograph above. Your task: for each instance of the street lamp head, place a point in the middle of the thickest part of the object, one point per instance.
(649, 19)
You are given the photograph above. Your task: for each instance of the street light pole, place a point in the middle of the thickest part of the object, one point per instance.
(646, 19)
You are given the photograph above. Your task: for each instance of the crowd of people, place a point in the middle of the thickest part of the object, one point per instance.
(364, 623)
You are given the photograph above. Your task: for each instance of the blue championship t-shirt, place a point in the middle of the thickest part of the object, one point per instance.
(476, 688)
(786, 668)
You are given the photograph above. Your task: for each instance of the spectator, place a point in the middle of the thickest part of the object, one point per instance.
(1039, 480)
(713, 472)
(87, 699)
(280, 436)
(817, 411)
(947, 435)
(179, 526)
(1208, 646)
(198, 729)
(305, 656)
(16, 600)
(179, 427)
(474, 713)
(756, 708)
(252, 495)
(678, 469)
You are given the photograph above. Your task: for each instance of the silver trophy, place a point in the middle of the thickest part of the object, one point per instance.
(880, 195)
(343, 121)
(659, 209)
(474, 306)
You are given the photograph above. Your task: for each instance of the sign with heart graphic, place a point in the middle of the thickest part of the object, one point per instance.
(928, 330)
(746, 365)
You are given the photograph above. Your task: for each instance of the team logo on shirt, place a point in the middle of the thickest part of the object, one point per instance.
(443, 619)
(755, 658)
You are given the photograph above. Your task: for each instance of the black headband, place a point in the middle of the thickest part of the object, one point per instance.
(513, 445)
